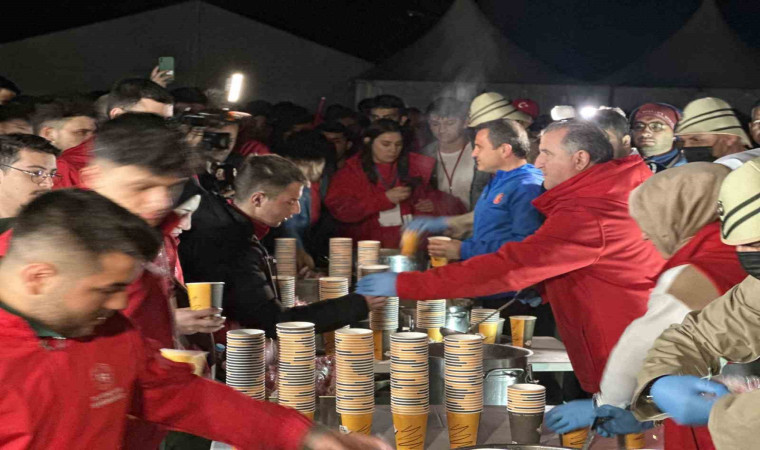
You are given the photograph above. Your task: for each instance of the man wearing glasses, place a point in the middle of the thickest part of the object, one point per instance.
(27, 170)
(653, 133)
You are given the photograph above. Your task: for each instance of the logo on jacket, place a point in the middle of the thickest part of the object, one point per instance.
(102, 375)
(498, 199)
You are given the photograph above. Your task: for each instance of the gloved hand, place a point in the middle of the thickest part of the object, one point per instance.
(378, 284)
(618, 421)
(687, 399)
(570, 416)
(533, 301)
(428, 225)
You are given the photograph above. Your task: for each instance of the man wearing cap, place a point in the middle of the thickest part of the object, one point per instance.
(710, 130)
(490, 106)
(527, 106)
(652, 130)
(596, 270)
(671, 383)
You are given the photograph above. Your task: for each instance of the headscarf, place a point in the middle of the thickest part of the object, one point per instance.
(672, 206)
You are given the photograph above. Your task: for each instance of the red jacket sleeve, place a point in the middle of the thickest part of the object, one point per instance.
(567, 241)
(69, 176)
(168, 394)
(351, 198)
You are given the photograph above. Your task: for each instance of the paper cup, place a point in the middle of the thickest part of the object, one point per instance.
(574, 439)
(463, 429)
(488, 330)
(525, 428)
(522, 330)
(635, 440)
(410, 431)
(356, 423)
(437, 261)
(435, 334)
(197, 359)
(409, 242)
(200, 295)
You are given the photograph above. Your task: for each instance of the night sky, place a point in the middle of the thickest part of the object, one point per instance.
(584, 39)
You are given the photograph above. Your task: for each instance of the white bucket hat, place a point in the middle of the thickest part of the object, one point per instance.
(493, 106)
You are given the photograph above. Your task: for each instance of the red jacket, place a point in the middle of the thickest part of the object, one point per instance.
(719, 263)
(355, 202)
(597, 270)
(76, 393)
(71, 162)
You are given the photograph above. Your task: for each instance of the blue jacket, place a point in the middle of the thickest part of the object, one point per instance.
(504, 212)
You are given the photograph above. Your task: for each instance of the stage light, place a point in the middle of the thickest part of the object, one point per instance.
(588, 112)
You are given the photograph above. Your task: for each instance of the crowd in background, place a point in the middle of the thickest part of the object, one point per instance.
(551, 204)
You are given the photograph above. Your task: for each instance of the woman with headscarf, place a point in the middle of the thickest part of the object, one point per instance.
(677, 211)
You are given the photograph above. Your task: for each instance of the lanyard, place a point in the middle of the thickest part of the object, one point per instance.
(450, 178)
(382, 180)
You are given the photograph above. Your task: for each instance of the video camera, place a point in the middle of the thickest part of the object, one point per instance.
(214, 119)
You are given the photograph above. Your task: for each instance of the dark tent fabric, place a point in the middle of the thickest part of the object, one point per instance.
(706, 52)
(464, 46)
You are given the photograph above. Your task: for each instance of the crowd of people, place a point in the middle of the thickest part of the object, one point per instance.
(633, 232)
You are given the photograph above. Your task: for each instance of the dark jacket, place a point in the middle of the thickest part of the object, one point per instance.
(222, 246)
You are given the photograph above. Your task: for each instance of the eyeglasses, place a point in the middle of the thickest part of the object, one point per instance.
(654, 126)
(38, 176)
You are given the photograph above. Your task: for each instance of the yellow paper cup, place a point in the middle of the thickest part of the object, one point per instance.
(463, 429)
(378, 338)
(574, 439)
(309, 414)
(410, 431)
(635, 440)
(435, 334)
(356, 423)
(409, 242)
(193, 357)
(200, 295)
(522, 330)
(488, 330)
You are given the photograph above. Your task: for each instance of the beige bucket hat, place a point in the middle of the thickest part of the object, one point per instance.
(493, 106)
(739, 205)
(711, 115)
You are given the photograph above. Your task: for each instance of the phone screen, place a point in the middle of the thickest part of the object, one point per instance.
(166, 63)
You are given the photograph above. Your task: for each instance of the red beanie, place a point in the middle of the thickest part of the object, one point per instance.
(665, 113)
(527, 106)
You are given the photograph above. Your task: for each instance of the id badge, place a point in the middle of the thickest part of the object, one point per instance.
(391, 217)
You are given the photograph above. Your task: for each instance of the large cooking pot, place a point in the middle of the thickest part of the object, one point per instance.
(503, 365)
(401, 263)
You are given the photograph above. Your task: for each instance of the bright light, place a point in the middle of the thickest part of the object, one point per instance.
(235, 87)
(562, 112)
(588, 112)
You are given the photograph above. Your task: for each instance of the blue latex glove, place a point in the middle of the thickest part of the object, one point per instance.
(618, 421)
(686, 398)
(533, 301)
(570, 416)
(428, 225)
(378, 284)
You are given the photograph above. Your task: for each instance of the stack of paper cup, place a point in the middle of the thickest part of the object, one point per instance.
(438, 261)
(371, 268)
(431, 315)
(383, 322)
(488, 328)
(341, 257)
(286, 285)
(367, 253)
(355, 379)
(410, 389)
(285, 254)
(329, 288)
(295, 379)
(525, 406)
(463, 381)
(246, 362)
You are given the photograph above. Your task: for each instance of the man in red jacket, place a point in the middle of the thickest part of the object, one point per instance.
(130, 95)
(73, 367)
(596, 269)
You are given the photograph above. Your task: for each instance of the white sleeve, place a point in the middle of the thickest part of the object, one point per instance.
(619, 379)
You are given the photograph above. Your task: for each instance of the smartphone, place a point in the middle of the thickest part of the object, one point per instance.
(166, 63)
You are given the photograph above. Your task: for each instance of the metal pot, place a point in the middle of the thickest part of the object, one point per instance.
(401, 263)
(503, 365)
(458, 314)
